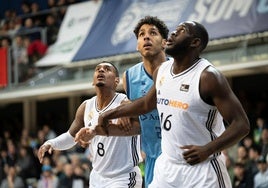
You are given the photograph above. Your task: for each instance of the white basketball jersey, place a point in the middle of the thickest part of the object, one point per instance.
(185, 118)
(111, 156)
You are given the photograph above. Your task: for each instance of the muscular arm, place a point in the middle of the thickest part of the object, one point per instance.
(215, 90)
(137, 107)
(215, 85)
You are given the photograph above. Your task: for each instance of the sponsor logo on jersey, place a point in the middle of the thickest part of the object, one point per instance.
(184, 87)
(172, 103)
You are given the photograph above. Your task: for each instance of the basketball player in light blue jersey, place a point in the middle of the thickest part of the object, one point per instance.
(192, 98)
(151, 34)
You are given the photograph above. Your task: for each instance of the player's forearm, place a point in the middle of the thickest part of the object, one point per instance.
(135, 108)
(62, 142)
(114, 130)
(233, 134)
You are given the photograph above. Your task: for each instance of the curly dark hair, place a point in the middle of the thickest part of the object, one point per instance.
(152, 20)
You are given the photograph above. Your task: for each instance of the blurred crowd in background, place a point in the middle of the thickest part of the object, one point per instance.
(29, 32)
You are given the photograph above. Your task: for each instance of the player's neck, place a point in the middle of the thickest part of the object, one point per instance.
(104, 98)
(150, 64)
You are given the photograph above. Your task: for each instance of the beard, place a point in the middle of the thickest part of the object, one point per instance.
(179, 48)
(99, 84)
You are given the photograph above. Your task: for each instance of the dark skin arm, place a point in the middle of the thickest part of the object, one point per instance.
(137, 107)
(85, 134)
(113, 129)
(78, 123)
(215, 90)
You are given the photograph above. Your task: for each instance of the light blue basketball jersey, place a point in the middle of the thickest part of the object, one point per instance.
(138, 83)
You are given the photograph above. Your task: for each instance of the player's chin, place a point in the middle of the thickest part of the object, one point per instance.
(100, 84)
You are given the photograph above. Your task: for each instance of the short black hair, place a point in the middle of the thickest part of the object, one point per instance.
(152, 20)
(201, 32)
(115, 68)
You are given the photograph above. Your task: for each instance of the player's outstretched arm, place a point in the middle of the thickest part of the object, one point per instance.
(85, 134)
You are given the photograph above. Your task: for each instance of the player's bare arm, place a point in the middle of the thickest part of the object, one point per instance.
(137, 107)
(85, 134)
(215, 90)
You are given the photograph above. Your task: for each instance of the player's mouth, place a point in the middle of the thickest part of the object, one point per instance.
(147, 45)
(169, 42)
(100, 77)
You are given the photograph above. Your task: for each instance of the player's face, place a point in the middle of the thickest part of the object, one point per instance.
(150, 41)
(105, 75)
(180, 40)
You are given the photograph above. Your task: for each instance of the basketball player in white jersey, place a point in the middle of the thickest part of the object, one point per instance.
(115, 158)
(192, 99)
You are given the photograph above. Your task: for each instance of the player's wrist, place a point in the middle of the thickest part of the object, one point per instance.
(49, 143)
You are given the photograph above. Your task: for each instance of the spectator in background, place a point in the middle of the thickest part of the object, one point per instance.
(52, 29)
(12, 180)
(15, 26)
(3, 162)
(62, 5)
(49, 133)
(25, 7)
(261, 178)
(20, 57)
(11, 153)
(247, 142)
(241, 179)
(48, 179)
(51, 4)
(30, 30)
(67, 179)
(59, 165)
(264, 141)
(36, 49)
(257, 131)
(254, 155)
(242, 155)
(5, 42)
(25, 163)
(38, 19)
(4, 28)
(80, 177)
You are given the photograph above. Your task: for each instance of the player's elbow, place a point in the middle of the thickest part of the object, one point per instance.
(245, 127)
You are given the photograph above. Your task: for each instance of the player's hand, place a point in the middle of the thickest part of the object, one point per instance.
(124, 123)
(46, 147)
(194, 154)
(84, 135)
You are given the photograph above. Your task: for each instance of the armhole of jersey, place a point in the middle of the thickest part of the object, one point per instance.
(127, 84)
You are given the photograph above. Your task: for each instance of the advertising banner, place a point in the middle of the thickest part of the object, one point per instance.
(73, 31)
(3, 67)
(112, 32)
(109, 31)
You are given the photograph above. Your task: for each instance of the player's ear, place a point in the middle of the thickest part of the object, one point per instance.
(164, 42)
(196, 42)
(117, 80)
(137, 47)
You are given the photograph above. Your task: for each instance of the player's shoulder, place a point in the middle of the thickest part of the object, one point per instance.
(135, 67)
(121, 96)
